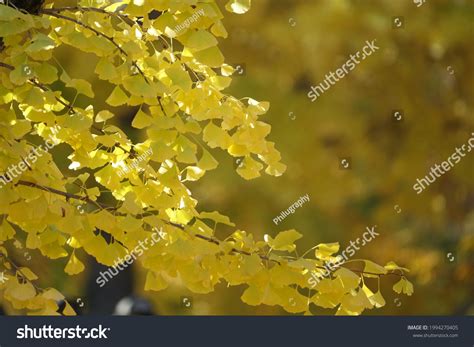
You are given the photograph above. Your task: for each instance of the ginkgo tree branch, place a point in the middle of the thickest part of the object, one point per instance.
(203, 237)
(122, 16)
(95, 31)
(212, 240)
(42, 87)
(54, 13)
(56, 191)
(69, 106)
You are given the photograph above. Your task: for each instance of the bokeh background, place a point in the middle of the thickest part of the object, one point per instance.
(424, 68)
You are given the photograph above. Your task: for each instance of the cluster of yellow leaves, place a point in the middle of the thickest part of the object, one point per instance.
(19, 290)
(174, 79)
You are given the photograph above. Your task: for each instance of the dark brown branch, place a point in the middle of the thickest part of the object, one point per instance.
(56, 191)
(6, 66)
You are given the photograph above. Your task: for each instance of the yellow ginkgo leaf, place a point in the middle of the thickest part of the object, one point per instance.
(348, 279)
(104, 115)
(325, 250)
(6, 231)
(26, 272)
(74, 265)
(249, 168)
(117, 97)
(199, 40)
(19, 291)
(216, 217)
(155, 281)
(403, 286)
(207, 161)
(372, 269)
(141, 120)
(216, 136)
(284, 241)
(376, 299)
(353, 304)
(252, 296)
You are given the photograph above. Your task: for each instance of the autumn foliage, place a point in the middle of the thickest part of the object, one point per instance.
(174, 81)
